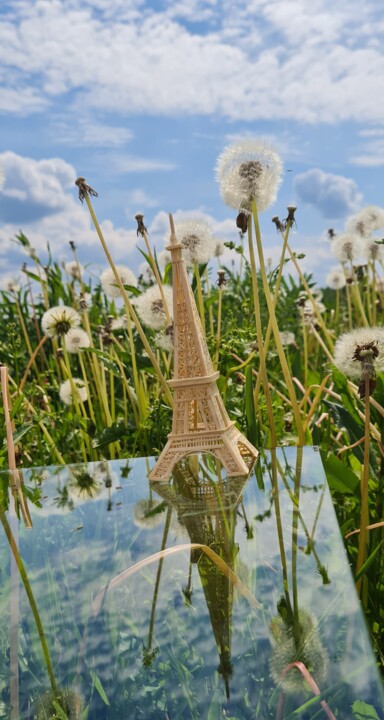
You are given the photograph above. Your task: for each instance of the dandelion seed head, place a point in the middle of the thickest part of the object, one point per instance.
(164, 258)
(219, 248)
(65, 391)
(142, 514)
(74, 270)
(149, 306)
(164, 341)
(366, 221)
(197, 241)
(59, 320)
(250, 169)
(347, 344)
(76, 339)
(336, 279)
(287, 337)
(346, 247)
(146, 273)
(119, 323)
(372, 251)
(109, 284)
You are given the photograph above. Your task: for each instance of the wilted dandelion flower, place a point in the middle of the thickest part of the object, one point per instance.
(197, 240)
(59, 320)
(366, 221)
(145, 515)
(346, 247)
(336, 279)
(149, 306)
(306, 649)
(109, 284)
(73, 269)
(359, 354)
(65, 391)
(250, 169)
(76, 340)
(287, 337)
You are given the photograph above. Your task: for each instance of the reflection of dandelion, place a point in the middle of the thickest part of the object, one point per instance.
(145, 515)
(65, 391)
(69, 700)
(250, 169)
(83, 484)
(307, 648)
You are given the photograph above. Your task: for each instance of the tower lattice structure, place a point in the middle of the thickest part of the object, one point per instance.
(200, 421)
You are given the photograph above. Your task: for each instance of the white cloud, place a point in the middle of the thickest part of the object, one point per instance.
(140, 199)
(334, 196)
(372, 154)
(87, 132)
(254, 60)
(122, 164)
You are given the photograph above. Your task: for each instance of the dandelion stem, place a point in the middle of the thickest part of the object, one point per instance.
(364, 513)
(200, 301)
(275, 329)
(128, 304)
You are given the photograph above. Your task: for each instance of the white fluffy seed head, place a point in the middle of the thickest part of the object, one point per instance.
(108, 280)
(366, 221)
(372, 250)
(197, 241)
(149, 306)
(346, 247)
(164, 258)
(65, 391)
(76, 339)
(336, 279)
(73, 269)
(347, 344)
(59, 320)
(287, 337)
(250, 169)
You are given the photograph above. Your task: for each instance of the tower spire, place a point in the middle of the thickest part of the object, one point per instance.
(200, 421)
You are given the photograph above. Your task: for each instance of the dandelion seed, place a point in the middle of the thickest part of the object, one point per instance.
(366, 221)
(76, 340)
(149, 306)
(346, 247)
(359, 354)
(249, 170)
(65, 391)
(197, 241)
(109, 284)
(336, 279)
(73, 269)
(145, 515)
(59, 321)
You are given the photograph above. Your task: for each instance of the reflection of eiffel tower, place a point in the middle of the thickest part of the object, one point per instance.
(208, 510)
(200, 420)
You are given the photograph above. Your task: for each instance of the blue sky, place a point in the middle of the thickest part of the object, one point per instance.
(141, 97)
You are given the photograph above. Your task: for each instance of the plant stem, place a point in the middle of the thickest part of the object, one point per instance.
(364, 513)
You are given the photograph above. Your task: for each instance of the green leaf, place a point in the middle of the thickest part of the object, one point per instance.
(59, 710)
(97, 684)
(349, 402)
(340, 477)
(16, 406)
(363, 711)
(368, 562)
(110, 435)
(18, 434)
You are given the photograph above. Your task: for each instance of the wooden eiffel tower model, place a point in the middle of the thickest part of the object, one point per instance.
(200, 421)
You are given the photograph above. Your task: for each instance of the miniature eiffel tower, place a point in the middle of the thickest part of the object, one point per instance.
(200, 421)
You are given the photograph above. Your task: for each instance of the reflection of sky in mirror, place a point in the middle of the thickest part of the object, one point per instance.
(73, 551)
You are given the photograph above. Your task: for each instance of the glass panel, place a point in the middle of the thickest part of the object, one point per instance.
(252, 615)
